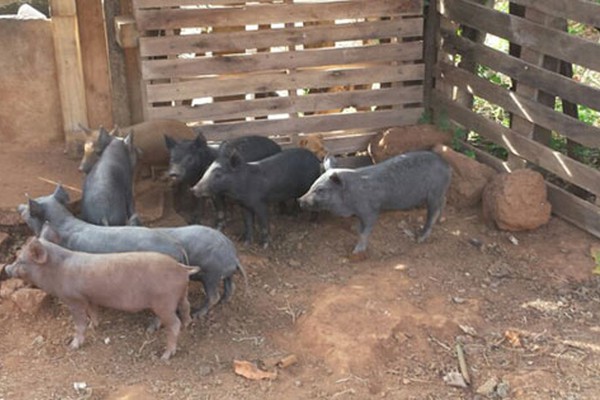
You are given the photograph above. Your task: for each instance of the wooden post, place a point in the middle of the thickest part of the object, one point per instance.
(69, 70)
(94, 54)
(431, 42)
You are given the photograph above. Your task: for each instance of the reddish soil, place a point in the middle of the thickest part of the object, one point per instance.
(523, 306)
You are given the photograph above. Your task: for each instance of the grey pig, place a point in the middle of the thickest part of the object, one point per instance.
(129, 282)
(402, 182)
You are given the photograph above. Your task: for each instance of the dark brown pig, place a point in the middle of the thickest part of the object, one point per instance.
(149, 140)
(124, 281)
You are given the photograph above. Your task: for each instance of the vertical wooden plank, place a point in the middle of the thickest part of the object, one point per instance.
(431, 42)
(135, 85)
(117, 64)
(69, 70)
(94, 56)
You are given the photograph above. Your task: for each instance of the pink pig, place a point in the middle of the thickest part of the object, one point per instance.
(130, 282)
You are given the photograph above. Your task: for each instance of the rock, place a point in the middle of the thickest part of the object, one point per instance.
(516, 201)
(469, 177)
(502, 390)
(29, 300)
(489, 387)
(8, 287)
(402, 139)
(4, 238)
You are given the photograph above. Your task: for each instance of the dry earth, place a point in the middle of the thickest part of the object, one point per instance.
(524, 308)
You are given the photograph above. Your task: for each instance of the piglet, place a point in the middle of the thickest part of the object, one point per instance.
(130, 282)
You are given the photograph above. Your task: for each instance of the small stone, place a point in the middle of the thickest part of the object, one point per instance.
(503, 389)
(488, 388)
(298, 383)
(38, 340)
(513, 240)
(107, 340)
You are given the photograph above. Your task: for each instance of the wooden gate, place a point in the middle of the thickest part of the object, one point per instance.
(346, 69)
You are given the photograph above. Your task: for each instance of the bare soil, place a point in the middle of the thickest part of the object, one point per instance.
(524, 308)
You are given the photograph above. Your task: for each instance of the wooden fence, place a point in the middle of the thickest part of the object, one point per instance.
(539, 63)
(345, 69)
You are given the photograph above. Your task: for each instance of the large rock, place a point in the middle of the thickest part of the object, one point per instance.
(402, 139)
(469, 177)
(517, 201)
(29, 300)
(8, 287)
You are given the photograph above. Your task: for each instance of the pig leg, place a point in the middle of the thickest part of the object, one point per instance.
(92, 312)
(366, 227)
(210, 282)
(219, 203)
(262, 214)
(78, 311)
(173, 325)
(248, 226)
(434, 211)
(184, 309)
(228, 288)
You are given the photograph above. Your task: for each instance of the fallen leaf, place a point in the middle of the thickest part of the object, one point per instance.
(513, 338)
(251, 371)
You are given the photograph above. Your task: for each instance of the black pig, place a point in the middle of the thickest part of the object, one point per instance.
(283, 176)
(400, 183)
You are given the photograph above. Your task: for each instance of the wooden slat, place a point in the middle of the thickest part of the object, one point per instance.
(292, 104)
(235, 64)
(69, 71)
(309, 35)
(575, 210)
(268, 82)
(584, 11)
(272, 13)
(534, 152)
(94, 56)
(177, 3)
(311, 124)
(549, 41)
(524, 72)
(528, 109)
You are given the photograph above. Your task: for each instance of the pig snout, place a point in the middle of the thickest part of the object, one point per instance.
(200, 189)
(8, 271)
(175, 173)
(307, 201)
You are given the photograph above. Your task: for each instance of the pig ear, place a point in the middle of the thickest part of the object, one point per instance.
(61, 195)
(235, 160)
(200, 140)
(336, 178)
(35, 209)
(49, 234)
(302, 142)
(104, 138)
(85, 129)
(129, 140)
(329, 162)
(170, 142)
(37, 252)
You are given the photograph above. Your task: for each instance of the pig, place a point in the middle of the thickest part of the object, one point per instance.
(189, 160)
(283, 176)
(149, 142)
(399, 183)
(129, 282)
(315, 143)
(107, 197)
(197, 245)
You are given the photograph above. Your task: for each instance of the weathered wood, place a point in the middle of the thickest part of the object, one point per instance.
(276, 80)
(430, 50)
(553, 161)
(176, 3)
(136, 91)
(236, 64)
(308, 35)
(314, 124)
(94, 55)
(524, 72)
(126, 32)
(70, 71)
(549, 41)
(175, 18)
(584, 11)
(528, 109)
(309, 103)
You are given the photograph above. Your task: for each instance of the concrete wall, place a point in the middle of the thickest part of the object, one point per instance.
(29, 98)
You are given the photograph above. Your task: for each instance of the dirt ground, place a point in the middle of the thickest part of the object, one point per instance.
(523, 307)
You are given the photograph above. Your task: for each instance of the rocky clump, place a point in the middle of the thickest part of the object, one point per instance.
(403, 139)
(469, 177)
(516, 201)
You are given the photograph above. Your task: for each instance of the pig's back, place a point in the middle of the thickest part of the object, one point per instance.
(149, 137)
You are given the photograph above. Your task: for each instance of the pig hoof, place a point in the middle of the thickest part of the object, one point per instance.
(74, 345)
(359, 256)
(167, 354)
(199, 314)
